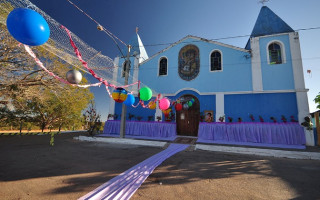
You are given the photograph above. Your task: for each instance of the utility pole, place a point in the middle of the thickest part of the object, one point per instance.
(124, 107)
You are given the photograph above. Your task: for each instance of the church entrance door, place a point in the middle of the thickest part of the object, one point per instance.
(188, 120)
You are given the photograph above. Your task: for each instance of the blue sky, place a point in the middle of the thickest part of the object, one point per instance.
(168, 21)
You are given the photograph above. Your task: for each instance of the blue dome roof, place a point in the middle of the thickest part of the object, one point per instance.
(269, 23)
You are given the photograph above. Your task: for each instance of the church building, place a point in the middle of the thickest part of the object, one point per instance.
(262, 81)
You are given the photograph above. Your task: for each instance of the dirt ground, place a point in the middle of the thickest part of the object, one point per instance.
(32, 169)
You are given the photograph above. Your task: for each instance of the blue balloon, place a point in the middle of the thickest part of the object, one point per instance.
(28, 27)
(130, 100)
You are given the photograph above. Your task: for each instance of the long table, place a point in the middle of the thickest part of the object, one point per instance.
(138, 128)
(245, 132)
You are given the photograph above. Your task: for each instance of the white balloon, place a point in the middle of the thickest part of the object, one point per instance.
(185, 106)
(74, 76)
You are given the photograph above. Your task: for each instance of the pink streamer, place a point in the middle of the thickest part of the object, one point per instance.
(78, 54)
(40, 64)
(108, 92)
(136, 105)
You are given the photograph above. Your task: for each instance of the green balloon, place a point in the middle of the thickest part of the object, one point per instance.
(145, 94)
(189, 103)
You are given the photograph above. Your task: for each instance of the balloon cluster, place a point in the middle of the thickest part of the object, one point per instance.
(183, 104)
(120, 95)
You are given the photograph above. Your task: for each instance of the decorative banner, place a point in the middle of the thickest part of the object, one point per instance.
(136, 105)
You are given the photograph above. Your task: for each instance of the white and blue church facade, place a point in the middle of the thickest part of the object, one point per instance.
(264, 79)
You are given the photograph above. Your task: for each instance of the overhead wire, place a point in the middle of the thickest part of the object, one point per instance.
(223, 38)
(111, 35)
(114, 38)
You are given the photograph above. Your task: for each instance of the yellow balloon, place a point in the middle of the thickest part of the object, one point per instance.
(166, 111)
(152, 105)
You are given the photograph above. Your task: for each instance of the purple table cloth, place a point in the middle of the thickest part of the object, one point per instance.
(268, 133)
(149, 129)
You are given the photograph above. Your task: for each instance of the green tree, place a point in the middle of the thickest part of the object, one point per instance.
(92, 119)
(317, 100)
(32, 94)
(63, 107)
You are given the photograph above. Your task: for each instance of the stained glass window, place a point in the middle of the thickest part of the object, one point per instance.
(274, 53)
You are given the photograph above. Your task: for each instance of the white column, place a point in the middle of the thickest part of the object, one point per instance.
(303, 106)
(296, 61)
(302, 98)
(298, 76)
(114, 79)
(135, 73)
(158, 113)
(256, 65)
(219, 105)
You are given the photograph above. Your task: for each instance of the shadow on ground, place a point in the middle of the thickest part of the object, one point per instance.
(86, 165)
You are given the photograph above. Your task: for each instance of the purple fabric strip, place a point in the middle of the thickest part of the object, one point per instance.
(263, 133)
(124, 185)
(283, 146)
(148, 129)
(252, 133)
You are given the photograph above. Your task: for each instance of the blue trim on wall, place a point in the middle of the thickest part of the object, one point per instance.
(265, 105)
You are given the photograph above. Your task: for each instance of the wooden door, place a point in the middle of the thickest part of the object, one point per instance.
(188, 120)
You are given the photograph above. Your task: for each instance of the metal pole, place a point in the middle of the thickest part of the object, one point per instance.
(124, 107)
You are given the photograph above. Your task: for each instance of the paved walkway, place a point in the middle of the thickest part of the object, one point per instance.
(309, 153)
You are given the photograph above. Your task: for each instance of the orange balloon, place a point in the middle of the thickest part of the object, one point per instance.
(152, 105)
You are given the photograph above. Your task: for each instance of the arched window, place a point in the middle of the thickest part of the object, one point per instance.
(163, 66)
(274, 50)
(215, 61)
(124, 67)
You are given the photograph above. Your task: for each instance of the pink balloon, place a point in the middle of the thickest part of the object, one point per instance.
(164, 104)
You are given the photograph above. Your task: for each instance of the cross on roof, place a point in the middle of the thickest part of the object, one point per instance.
(263, 1)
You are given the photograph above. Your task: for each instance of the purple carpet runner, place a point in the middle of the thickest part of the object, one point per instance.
(125, 185)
